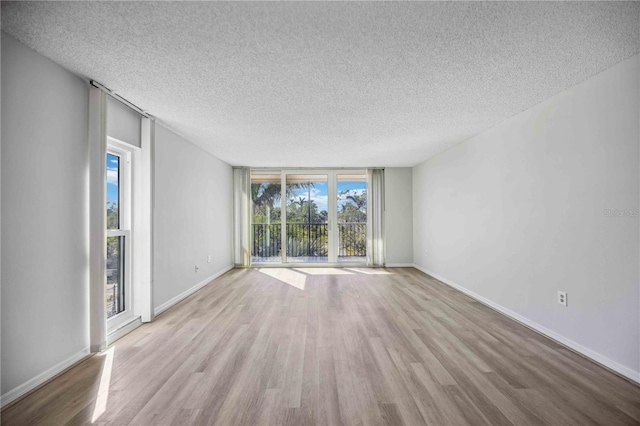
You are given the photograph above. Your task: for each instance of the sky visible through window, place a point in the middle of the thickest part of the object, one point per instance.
(350, 188)
(112, 179)
(320, 194)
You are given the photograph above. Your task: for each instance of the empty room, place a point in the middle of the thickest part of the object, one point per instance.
(320, 213)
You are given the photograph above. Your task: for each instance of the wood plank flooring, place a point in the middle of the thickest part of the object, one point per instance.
(332, 346)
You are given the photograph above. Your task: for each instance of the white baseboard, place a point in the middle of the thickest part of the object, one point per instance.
(160, 309)
(43, 377)
(594, 356)
(399, 265)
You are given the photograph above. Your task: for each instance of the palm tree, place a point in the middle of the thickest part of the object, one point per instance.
(263, 194)
(359, 200)
(264, 197)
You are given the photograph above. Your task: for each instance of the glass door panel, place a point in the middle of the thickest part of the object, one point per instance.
(307, 218)
(266, 225)
(352, 217)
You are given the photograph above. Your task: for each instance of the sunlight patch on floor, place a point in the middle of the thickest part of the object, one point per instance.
(105, 382)
(297, 277)
(370, 271)
(324, 271)
(287, 276)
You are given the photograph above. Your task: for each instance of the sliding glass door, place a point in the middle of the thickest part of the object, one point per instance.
(309, 217)
(352, 217)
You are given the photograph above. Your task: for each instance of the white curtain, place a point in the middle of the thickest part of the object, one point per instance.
(97, 219)
(241, 215)
(375, 219)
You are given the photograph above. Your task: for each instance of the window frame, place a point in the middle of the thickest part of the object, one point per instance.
(125, 152)
(332, 174)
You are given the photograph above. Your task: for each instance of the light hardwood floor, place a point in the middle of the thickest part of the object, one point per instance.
(332, 346)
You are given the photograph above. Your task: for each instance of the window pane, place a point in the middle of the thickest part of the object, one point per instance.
(266, 237)
(307, 218)
(352, 218)
(115, 275)
(113, 191)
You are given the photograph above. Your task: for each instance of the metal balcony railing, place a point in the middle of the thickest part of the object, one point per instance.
(353, 239)
(308, 239)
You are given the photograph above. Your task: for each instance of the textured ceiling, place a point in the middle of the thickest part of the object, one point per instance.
(330, 84)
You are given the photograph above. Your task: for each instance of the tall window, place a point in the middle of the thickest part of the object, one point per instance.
(307, 229)
(352, 218)
(309, 216)
(115, 244)
(118, 291)
(266, 241)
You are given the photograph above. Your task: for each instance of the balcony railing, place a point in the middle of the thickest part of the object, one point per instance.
(266, 240)
(308, 240)
(353, 239)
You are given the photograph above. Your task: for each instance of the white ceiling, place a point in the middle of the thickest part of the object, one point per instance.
(330, 84)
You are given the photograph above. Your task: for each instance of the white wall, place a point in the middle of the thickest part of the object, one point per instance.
(398, 215)
(44, 215)
(45, 201)
(518, 212)
(192, 218)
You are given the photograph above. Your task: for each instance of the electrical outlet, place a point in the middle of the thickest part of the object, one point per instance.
(562, 298)
(208, 258)
(196, 268)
